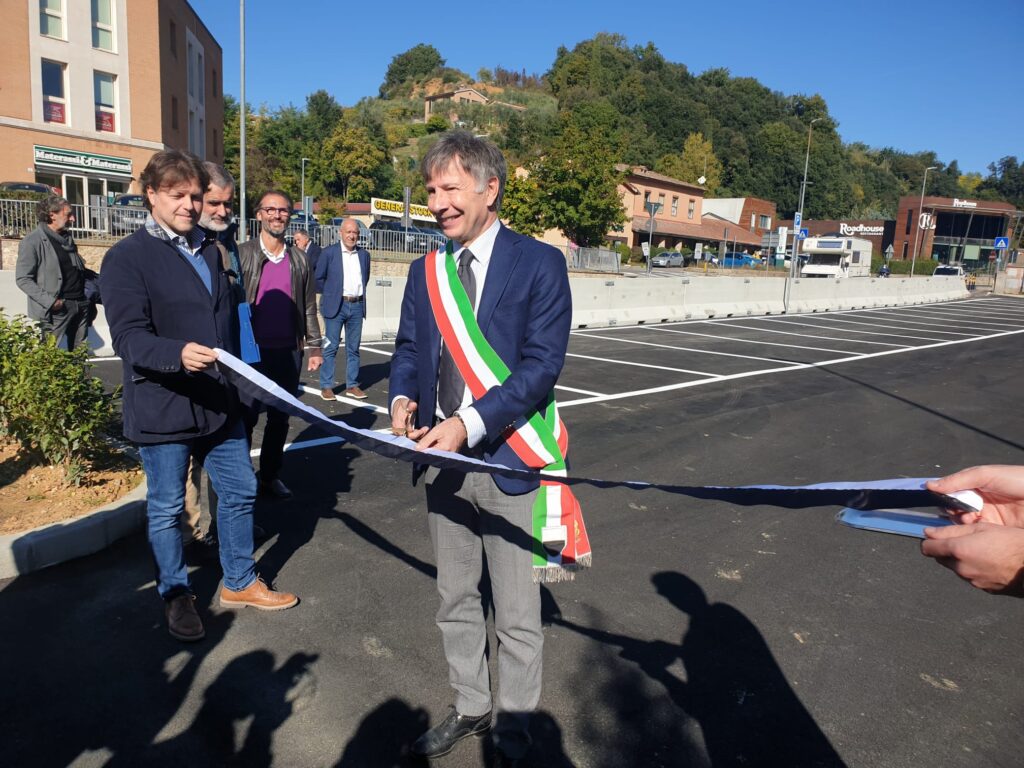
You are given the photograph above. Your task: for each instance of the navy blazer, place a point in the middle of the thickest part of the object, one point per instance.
(330, 278)
(525, 314)
(155, 303)
(313, 256)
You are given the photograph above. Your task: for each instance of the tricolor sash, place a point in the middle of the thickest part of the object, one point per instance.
(538, 438)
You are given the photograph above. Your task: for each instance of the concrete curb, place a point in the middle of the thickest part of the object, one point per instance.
(54, 543)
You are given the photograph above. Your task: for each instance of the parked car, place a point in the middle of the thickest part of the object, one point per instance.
(668, 259)
(390, 235)
(734, 259)
(127, 214)
(949, 270)
(301, 220)
(27, 186)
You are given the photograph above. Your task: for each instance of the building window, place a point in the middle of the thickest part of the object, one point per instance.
(689, 209)
(174, 113)
(174, 37)
(216, 143)
(910, 217)
(765, 222)
(647, 198)
(675, 205)
(752, 220)
(54, 102)
(904, 250)
(216, 86)
(51, 18)
(102, 25)
(200, 78)
(106, 109)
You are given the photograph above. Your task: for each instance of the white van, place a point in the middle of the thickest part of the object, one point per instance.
(948, 270)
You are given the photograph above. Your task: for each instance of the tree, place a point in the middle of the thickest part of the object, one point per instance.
(521, 204)
(419, 61)
(350, 162)
(697, 159)
(580, 187)
(437, 124)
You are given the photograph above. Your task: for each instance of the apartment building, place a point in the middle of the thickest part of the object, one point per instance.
(91, 89)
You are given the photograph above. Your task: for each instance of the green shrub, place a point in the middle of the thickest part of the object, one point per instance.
(899, 267)
(48, 401)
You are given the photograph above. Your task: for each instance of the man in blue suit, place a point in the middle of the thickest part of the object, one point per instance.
(519, 288)
(342, 272)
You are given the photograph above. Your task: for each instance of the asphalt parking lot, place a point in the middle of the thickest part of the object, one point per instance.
(704, 635)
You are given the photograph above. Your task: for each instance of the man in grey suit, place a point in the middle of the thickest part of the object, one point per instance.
(518, 290)
(52, 274)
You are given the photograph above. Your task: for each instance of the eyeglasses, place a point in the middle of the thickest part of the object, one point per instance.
(275, 211)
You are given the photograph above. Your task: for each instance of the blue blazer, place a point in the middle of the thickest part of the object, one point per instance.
(330, 278)
(525, 314)
(155, 303)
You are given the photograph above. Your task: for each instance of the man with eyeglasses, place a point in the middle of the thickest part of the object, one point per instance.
(280, 288)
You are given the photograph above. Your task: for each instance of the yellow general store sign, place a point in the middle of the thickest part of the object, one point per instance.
(395, 209)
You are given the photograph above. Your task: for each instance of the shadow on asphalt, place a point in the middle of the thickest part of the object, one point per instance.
(729, 684)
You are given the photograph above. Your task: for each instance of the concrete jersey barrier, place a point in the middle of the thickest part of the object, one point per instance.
(600, 301)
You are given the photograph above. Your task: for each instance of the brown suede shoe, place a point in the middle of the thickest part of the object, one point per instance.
(257, 595)
(327, 394)
(355, 392)
(183, 622)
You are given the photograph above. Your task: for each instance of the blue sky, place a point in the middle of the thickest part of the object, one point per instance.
(941, 75)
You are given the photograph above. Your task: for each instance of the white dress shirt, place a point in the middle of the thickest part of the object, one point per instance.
(352, 273)
(482, 249)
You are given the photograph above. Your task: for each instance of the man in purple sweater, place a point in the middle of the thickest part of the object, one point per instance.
(280, 288)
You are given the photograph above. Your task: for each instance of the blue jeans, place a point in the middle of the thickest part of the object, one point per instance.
(351, 317)
(225, 457)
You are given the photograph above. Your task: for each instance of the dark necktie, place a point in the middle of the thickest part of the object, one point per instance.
(450, 384)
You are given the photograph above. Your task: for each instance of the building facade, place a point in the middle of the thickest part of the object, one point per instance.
(91, 90)
(952, 230)
(751, 213)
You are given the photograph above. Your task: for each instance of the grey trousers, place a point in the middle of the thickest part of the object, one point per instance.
(469, 516)
(71, 322)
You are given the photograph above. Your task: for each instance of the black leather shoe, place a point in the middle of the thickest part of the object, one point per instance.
(276, 489)
(441, 739)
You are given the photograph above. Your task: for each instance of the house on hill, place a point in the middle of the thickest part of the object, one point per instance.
(445, 102)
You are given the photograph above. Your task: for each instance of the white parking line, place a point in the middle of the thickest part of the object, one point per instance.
(812, 336)
(927, 313)
(830, 324)
(888, 323)
(746, 341)
(797, 366)
(347, 400)
(640, 365)
(689, 349)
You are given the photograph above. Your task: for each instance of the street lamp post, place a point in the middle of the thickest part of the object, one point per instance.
(652, 208)
(242, 225)
(803, 189)
(302, 193)
(920, 213)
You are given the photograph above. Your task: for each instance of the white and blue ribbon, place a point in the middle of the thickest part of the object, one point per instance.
(897, 493)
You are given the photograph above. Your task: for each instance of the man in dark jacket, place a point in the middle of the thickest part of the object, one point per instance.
(311, 249)
(169, 304)
(51, 273)
(282, 294)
